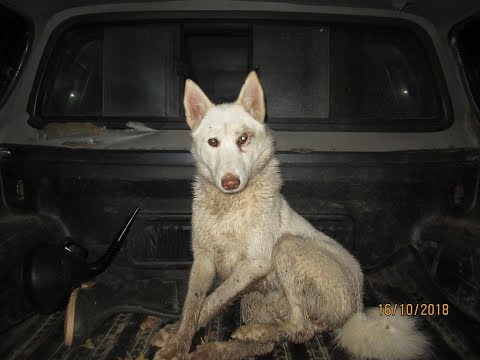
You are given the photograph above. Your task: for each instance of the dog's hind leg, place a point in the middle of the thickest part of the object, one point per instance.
(297, 327)
(295, 291)
(230, 350)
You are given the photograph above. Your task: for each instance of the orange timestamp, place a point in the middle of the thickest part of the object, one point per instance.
(413, 309)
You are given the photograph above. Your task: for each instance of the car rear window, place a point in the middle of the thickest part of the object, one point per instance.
(466, 42)
(14, 37)
(320, 76)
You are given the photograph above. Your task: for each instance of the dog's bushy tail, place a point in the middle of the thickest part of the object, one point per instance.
(370, 335)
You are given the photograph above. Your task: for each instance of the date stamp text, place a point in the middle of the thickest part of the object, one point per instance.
(413, 309)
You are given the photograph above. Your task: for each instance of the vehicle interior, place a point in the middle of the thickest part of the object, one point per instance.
(375, 110)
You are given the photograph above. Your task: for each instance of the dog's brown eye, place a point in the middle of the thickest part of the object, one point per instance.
(212, 142)
(242, 139)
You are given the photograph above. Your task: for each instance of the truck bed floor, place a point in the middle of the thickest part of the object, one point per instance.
(126, 336)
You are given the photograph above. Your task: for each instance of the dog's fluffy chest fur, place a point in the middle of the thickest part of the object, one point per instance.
(226, 226)
(224, 238)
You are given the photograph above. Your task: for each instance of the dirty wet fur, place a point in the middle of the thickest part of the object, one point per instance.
(293, 280)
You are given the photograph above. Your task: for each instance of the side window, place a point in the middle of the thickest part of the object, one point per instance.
(294, 64)
(115, 71)
(382, 74)
(217, 60)
(77, 84)
(465, 39)
(14, 37)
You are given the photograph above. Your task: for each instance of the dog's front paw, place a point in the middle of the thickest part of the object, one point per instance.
(172, 350)
(161, 338)
(295, 333)
(208, 351)
(254, 332)
(172, 344)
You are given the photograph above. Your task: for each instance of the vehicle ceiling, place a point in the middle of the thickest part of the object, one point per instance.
(443, 13)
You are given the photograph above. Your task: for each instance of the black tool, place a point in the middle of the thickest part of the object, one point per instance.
(51, 271)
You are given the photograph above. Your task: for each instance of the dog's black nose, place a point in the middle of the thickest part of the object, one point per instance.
(230, 182)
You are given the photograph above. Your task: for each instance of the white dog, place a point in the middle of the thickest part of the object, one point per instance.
(294, 281)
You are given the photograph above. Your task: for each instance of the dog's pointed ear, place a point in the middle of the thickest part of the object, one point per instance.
(251, 97)
(196, 104)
